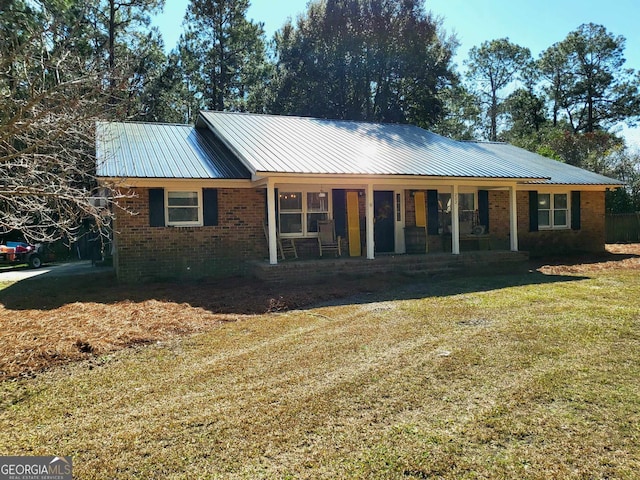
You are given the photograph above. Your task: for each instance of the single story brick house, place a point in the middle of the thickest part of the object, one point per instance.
(215, 198)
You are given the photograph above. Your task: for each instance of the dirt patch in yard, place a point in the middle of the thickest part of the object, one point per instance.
(45, 323)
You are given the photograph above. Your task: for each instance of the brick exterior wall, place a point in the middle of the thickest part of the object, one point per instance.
(152, 253)
(590, 237)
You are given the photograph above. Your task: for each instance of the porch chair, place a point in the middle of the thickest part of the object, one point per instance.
(327, 240)
(286, 248)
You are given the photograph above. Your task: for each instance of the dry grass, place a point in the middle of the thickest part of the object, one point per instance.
(529, 376)
(46, 323)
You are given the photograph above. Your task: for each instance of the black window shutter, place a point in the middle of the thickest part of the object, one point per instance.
(483, 208)
(575, 210)
(340, 211)
(432, 212)
(210, 206)
(156, 207)
(533, 211)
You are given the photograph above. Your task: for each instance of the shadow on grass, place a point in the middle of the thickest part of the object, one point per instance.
(247, 296)
(448, 286)
(577, 259)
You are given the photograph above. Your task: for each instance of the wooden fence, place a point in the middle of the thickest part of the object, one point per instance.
(622, 227)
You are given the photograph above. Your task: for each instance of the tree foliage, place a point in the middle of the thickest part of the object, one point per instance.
(493, 67)
(587, 82)
(363, 60)
(222, 54)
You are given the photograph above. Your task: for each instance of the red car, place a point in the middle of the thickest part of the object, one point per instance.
(20, 252)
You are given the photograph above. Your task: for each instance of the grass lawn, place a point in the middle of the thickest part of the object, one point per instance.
(525, 376)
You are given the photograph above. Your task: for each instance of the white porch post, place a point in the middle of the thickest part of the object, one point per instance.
(271, 219)
(369, 223)
(455, 221)
(513, 218)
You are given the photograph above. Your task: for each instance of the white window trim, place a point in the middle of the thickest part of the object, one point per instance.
(552, 226)
(199, 222)
(303, 191)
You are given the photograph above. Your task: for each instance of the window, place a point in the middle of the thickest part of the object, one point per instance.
(317, 209)
(466, 212)
(553, 210)
(183, 208)
(300, 211)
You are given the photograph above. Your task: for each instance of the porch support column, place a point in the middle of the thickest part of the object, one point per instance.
(513, 218)
(271, 219)
(455, 221)
(369, 223)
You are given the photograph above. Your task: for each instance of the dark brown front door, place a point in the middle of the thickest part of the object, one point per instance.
(383, 231)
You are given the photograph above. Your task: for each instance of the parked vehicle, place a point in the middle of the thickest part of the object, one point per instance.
(20, 252)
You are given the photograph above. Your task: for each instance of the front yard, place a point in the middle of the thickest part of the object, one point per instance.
(523, 376)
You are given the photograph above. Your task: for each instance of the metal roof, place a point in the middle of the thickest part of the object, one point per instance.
(559, 173)
(155, 150)
(281, 144)
(235, 145)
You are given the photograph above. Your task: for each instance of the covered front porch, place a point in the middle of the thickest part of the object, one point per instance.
(383, 217)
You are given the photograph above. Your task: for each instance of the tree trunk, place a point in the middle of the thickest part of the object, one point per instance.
(112, 51)
(493, 114)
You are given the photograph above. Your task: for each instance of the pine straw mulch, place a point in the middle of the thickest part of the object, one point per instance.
(46, 322)
(616, 256)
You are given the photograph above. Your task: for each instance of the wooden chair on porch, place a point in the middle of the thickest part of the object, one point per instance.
(327, 240)
(288, 247)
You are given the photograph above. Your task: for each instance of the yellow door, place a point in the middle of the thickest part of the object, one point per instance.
(353, 224)
(421, 213)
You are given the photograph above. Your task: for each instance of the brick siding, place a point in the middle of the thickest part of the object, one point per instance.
(152, 253)
(590, 237)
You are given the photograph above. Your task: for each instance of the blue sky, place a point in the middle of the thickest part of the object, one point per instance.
(535, 24)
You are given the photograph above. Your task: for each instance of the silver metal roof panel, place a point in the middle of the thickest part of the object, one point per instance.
(559, 173)
(155, 150)
(283, 144)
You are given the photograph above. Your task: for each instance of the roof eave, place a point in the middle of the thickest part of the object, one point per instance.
(399, 176)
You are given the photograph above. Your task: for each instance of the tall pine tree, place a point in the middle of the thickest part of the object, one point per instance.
(222, 55)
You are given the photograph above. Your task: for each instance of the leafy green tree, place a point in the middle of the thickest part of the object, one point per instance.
(525, 114)
(166, 97)
(363, 60)
(587, 82)
(222, 54)
(625, 165)
(461, 113)
(493, 67)
(130, 51)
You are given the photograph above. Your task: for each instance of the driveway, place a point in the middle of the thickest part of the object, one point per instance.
(15, 274)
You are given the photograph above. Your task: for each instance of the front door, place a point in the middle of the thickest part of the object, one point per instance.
(383, 230)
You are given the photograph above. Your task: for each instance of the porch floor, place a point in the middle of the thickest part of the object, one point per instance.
(466, 263)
